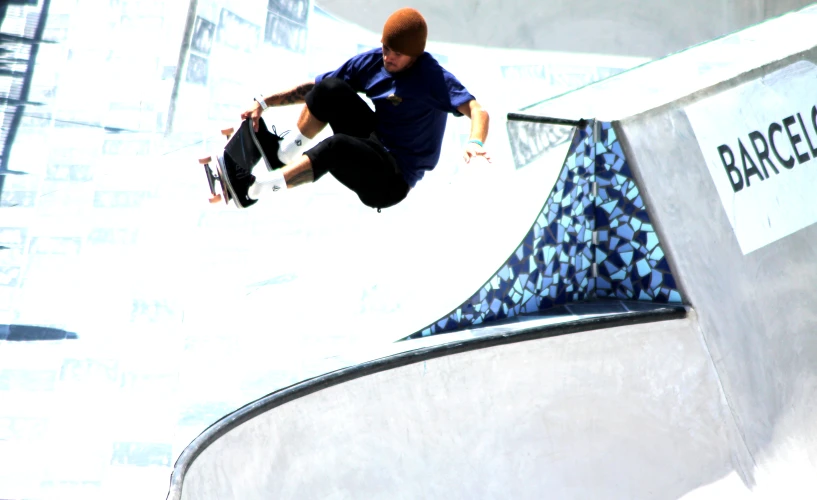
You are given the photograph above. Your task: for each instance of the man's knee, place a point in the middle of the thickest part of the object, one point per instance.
(385, 195)
(327, 94)
(330, 153)
(332, 85)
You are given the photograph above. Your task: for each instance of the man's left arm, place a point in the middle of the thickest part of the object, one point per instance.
(479, 130)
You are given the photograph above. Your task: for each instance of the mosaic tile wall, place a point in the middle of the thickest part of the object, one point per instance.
(631, 263)
(553, 264)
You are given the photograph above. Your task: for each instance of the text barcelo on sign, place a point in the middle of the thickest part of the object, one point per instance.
(759, 141)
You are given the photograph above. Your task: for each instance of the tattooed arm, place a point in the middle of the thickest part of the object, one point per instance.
(294, 95)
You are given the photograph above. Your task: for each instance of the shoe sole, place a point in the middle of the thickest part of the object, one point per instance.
(226, 180)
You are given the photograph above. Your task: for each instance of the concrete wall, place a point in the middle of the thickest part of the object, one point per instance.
(757, 308)
(627, 27)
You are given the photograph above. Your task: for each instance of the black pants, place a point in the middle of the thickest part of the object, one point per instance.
(353, 155)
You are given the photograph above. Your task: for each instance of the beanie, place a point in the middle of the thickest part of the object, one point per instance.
(405, 32)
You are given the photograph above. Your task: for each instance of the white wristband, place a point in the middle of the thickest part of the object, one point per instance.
(260, 100)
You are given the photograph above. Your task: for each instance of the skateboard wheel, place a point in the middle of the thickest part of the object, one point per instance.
(215, 199)
(228, 131)
(205, 161)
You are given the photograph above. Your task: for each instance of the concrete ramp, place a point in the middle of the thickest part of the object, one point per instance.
(629, 408)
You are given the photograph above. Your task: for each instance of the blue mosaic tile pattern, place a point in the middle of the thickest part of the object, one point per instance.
(552, 265)
(631, 262)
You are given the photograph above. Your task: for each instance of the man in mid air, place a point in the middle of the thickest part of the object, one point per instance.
(381, 154)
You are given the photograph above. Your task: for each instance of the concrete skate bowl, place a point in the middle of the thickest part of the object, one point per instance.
(711, 400)
(716, 400)
(624, 406)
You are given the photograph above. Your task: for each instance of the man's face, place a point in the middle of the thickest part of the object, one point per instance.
(395, 61)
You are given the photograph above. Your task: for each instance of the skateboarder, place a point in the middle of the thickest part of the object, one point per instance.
(381, 154)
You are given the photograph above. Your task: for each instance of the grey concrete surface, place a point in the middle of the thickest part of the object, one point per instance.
(757, 311)
(664, 81)
(631, 27)
(628, 412)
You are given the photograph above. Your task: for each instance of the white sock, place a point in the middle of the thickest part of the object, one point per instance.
(267, 183)
(292, 146)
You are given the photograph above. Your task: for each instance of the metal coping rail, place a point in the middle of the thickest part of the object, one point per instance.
(520, 117)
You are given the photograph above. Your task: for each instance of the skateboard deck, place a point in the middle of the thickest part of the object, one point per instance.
(245, 147)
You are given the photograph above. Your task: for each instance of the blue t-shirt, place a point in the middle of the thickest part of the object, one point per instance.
(410, 126)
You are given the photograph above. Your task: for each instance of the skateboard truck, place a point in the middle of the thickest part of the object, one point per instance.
(211, 179)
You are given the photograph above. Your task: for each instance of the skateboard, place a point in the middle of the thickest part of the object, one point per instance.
(218, 175)
(246, 148)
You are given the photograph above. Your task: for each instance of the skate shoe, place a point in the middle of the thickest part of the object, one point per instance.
(269, 143)
(238, 180)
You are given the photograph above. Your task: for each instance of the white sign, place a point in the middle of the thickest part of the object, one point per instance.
(759, 141)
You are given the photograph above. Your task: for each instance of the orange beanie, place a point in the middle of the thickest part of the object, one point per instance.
(405, 32)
